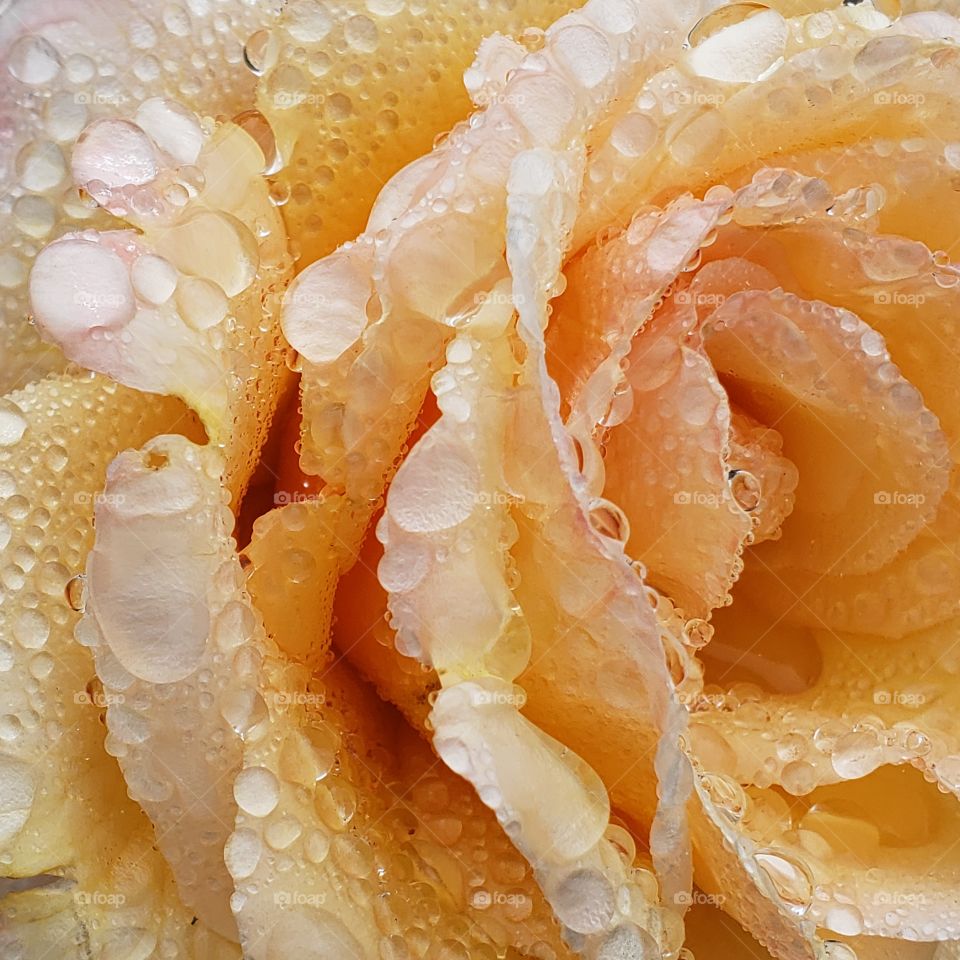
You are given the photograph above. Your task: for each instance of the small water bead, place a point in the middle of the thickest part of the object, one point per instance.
(746, 489)
(316, 846)
(41, 166)
(177, 20)
(33, 60)
(31, 629)
(609, 520)
(725, 794)
(353, 855)
(13, 271)
(10, 727)
(35, 216)
(697, 633)
(845, 919)
(280, 834)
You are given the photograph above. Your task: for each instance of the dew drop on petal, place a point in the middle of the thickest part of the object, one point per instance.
(256, 791)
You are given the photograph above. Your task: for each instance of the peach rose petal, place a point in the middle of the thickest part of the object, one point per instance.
(81, 855)
(694, 527)
(347, 830)
(814, 372)
(187, 304)
(915, 313)
(67, 63)
(367, 99)
(177, 650)
(697, 130)
(435, 261)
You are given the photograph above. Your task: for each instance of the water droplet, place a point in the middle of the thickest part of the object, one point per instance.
(835, 950)
(260, 51)
(41, 166)
(790, 878)
(13, 424)
(745, 488)
(256, 125)
(242, 853)
(33, 60)
(361, 33)
(726, 16)
(737, 43)
(697, 633)
(857, 754)
(609, 520)
(31, 629)
(76, 592)
(201, 303)
(584, 901)
(845, 919)
(725, 794)
(154, 279)
(256, 791)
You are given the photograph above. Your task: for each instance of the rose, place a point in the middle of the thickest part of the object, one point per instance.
(511, 524)
(788, 291)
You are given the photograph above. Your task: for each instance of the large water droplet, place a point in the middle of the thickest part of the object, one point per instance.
(16, 797)
(256, 791)
(256, 125)
(13, 424)
(857, 754)
(789, 877)
(725, 794)
(33, 60)
(260, 52)
(737, 43)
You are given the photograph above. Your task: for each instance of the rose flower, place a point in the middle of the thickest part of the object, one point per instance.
(478, 484)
